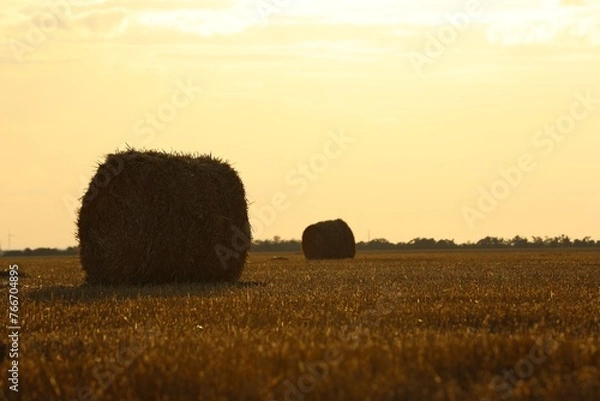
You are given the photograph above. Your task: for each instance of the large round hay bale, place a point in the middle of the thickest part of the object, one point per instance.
(153, 217)
(331, 239)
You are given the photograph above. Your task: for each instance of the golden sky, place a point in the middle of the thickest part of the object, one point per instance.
(446, 119)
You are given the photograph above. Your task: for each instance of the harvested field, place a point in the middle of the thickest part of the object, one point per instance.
(463, 325)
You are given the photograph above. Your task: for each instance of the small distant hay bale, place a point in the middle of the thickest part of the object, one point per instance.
(331, 239)
(153, 217)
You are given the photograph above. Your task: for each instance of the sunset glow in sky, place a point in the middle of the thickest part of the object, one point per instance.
(444, 119)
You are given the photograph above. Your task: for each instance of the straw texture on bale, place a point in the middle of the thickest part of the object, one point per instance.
(154, 217)
(331, 239)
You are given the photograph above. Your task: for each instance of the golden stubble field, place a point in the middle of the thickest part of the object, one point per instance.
(466, 325)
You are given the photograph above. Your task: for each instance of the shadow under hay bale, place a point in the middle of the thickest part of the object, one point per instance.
(153, 217)
(88, 293)
(331, 239)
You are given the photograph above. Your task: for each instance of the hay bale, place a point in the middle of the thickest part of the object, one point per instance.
(153, 217)
(331, 239)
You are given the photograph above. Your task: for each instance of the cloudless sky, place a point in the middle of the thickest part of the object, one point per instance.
(445, 119)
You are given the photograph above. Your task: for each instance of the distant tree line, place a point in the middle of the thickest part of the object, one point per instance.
(276, 244)
(381, 244)
(72, 250)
